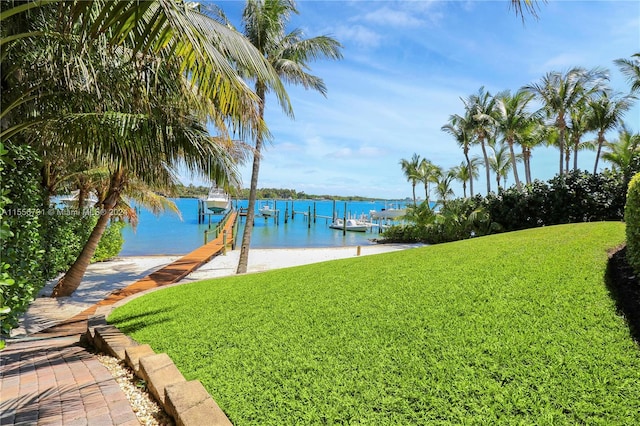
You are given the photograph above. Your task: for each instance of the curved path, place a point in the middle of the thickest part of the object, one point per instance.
(49, 378)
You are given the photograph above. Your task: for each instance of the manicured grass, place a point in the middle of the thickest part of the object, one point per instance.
(515, 328)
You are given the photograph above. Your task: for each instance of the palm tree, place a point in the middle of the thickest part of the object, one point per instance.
(480, 110)
(168, 30)
(411, 170)
(631, 69)
(534, 135)
(607, 113)
(512, 119)
(459, 128)
(443, 189)
(149, 120)
(428, 173)
(624, 152)
(559, 92)
(464, 174)
(500, 163)
(289, 54)
(580, 124)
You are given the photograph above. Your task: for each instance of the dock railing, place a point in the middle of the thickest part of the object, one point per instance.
(219, 228)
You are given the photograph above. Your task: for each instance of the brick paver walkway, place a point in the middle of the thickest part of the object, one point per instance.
(53, 380)
(57, 382)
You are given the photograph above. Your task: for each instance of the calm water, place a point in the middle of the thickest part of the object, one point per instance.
(167, 234)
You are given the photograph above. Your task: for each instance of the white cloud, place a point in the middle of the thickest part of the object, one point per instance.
(358, 34)
(402, 77)
(392, 17)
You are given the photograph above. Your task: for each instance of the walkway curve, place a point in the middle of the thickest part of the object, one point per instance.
(49, 378)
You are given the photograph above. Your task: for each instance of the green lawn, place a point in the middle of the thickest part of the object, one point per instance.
(514, 328)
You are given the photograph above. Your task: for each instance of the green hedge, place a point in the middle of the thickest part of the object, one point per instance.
(632, 219)
(21, 243)
(111, 242)
(35, 244)
(575, 197)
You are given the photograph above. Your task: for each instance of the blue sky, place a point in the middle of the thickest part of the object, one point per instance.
(406, 65)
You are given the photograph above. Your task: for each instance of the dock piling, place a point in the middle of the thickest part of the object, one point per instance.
(224, 242)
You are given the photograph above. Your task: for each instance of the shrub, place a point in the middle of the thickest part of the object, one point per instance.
(20, 246)
(577, 196)
(632, 219)
(66, 234)
(458, 220)
(111, 242)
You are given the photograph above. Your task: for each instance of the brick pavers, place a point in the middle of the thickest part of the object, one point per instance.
(53, 380)
(58, 382)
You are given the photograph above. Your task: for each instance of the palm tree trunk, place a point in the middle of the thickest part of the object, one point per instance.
(561, 129)
(426, 192)
(72, 279)
(243, 262)
(414, 193)
(576, 145)
(513, 163)
(466, 156)
(600, 143)
(526, 155)
(486, 165)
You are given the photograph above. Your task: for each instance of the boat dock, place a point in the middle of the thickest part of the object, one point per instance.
(276, 214)
(169, 274)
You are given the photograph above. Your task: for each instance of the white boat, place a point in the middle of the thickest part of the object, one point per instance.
(351, 225)
(267, 211)
(71, 200)
(217, 201)
(391, 212)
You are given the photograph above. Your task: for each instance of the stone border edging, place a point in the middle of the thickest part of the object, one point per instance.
(187, 402)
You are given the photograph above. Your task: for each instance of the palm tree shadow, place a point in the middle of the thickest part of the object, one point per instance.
(134, 322)
(624, 289)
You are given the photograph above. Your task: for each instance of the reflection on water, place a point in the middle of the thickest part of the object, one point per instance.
(166, 234)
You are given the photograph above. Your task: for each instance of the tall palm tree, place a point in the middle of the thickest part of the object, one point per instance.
(480, 110)
(289, 54)
(512, 119)
(459, 128)
(534, 135)
(606, 113)
(631, 69)
(559, 92)
(411, 170)
(580, 124)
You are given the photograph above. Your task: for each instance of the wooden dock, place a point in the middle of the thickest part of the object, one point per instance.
(166, 275)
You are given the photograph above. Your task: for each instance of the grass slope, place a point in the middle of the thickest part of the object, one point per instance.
(515, 328)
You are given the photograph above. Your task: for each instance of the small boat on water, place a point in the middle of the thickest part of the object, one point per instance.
(217, 201)
(71, 200)
(391, 212)
(266, 210)
(350, 225)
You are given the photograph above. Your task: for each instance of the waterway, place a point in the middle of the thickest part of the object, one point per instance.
(170, 234)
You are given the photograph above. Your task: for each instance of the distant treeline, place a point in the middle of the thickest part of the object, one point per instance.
(192, 191)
